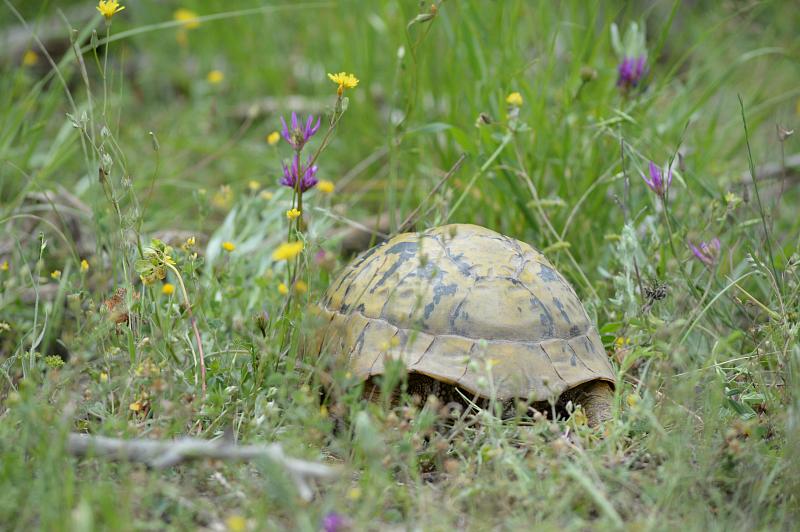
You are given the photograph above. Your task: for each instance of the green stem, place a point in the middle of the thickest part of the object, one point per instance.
(193, 321)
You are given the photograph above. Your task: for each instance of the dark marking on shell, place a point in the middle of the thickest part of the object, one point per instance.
(359, 345)
(545, 317)
(560, 307)
(438, 291)
(547, 274)
(405, 250)
(456, 311)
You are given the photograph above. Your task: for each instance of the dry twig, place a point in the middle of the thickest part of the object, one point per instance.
(162, 454)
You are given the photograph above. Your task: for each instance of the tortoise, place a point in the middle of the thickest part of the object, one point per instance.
(462, 306)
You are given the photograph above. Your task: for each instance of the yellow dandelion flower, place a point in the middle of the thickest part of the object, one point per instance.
(228, 246)
(283, 289)
(253, 185)
(300, 287)
(326, 187)
(56, 274)
(266, 195)
(4, 266)
(30, 58)
(188, 17)
(103, 376)
(236, 523)
(293, 214)
(84, 266)
(135, 406)
(215, 77)
(344, 80)
(273, 138)
(191, 241)
(109, 8)
(514, 99)
(287, 251)
(168, 289)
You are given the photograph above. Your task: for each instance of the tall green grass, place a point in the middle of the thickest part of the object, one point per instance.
(706, 421)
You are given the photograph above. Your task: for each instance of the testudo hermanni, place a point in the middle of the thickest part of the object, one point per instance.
(463, 306)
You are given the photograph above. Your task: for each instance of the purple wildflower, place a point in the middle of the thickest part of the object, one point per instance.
(706, 252)
(333, 522)
(291, 175)
(298, 135)
(631, 71)
(658, 182)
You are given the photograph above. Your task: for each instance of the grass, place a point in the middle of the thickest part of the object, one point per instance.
(706, 425)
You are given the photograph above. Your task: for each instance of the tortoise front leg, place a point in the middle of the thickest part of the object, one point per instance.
(596, 398)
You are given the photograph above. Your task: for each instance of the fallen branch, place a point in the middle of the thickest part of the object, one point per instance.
(163, 454)
(790, 168)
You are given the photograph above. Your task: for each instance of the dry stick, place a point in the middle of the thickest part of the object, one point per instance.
(411, 217)
(163, 454)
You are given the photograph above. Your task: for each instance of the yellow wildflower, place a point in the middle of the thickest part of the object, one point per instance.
(621, 342)
(30, 58)
(215, 77)
(56, 274)
(266, 195)
(282, 289)
(354, 493)
(190, 242)
(514, 99)
(300, 287)
(223, 198)
(188, 17)
(84, 265)
(236, 523)
(326, 187)
(228, 246)
(273, 138)
(287, 251)
(168, 289)
(344, 80)
(253, 185)
(4, 266)
(135, 406)
(293, 214)
(103, 376)
(109, 8)
(632, 400)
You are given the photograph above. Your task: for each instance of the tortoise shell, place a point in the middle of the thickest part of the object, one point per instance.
(468, 307)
